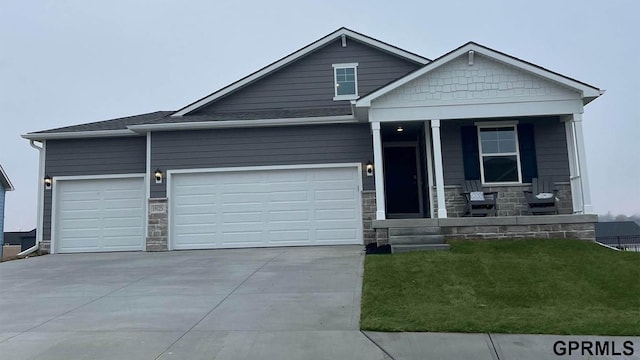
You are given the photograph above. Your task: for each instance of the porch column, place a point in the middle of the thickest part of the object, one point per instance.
(582, 164)
(428, 151)
(437, 160)
(378, 171)
(574, 175)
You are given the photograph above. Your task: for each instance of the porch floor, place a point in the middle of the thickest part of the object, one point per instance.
(487, 221)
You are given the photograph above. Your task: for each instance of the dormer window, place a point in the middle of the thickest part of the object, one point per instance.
(346, 81)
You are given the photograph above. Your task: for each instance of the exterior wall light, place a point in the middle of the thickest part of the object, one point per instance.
(48, 182)
(399, 129)
(368, 168)
(158, 175)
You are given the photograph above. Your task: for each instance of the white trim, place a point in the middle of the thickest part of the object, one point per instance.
(585, 90)
(479, 128)
(582, 164)
(437, 157)
(353, 66)
(54, 199)
(42, 154)
(357, 166)
(79, 134)
(378, 169)
(223, 124)
(147, 190)
(429, 155)
(4, 176)
(295, 56)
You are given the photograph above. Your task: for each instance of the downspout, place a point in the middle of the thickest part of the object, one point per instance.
(40, 199)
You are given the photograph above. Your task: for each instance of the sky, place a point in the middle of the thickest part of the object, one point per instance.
(68, 62)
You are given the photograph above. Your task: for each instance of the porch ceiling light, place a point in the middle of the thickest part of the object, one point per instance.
(399, 129)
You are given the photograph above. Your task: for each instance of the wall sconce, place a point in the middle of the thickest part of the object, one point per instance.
(368, 168)
(158, 175)
(48, 182)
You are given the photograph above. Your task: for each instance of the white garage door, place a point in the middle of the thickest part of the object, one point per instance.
(260, 208)
(99, 215)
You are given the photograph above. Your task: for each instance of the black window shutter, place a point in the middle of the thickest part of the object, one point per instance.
(527, 144)
(470, 153)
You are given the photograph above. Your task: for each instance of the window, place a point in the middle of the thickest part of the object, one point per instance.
(345, 78)
(499, 155)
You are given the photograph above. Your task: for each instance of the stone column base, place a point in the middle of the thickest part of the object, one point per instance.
(158, 228)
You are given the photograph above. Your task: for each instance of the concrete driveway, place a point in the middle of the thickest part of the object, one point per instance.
(274, 303)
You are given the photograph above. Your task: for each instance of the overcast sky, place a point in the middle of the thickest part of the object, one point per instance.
(69, 62)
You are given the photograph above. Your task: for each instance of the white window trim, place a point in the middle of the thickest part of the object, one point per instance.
(335, 81)
(509, 124)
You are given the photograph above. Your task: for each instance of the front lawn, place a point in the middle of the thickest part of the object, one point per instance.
(505, 286)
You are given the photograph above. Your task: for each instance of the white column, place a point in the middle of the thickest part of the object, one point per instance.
(378, 170)
(582, 164)
(437, 159)
(428, 151)
(574, 174)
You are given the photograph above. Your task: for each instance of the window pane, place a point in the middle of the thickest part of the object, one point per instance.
(506, 133)
(500, 168)
(489, 146)
(488, 134)
(506, 146)
(346, 88)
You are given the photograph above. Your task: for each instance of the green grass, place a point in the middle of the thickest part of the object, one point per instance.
(505, 286)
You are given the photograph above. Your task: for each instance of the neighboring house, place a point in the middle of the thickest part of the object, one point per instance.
(23, 240)
(5, 185)
(619, 234)
(322, 147)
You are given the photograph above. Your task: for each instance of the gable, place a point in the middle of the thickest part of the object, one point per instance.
(486, 81)
(308, 83)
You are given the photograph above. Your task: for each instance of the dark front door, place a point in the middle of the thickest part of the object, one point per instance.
(401, 181)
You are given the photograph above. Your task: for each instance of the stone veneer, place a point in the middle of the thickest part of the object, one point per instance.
(368, 215)
(510, 202)
(158, 228)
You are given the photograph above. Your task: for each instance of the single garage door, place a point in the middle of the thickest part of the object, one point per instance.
(99, 215)
(260, 208)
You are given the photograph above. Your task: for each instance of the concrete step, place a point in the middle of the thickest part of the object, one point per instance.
(423, 247)
(416, 239)
(417, 230)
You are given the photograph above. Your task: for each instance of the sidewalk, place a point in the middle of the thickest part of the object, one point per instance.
(502, 347)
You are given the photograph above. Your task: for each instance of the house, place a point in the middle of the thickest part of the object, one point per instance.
(22, 240)
(5, 185)
(335, 143)
(619, 234)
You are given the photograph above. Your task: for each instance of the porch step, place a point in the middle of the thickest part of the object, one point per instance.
(416, 239)
(419, 247)
(415, 230)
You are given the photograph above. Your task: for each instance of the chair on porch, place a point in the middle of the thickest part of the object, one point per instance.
(542, 198)
(478, 202)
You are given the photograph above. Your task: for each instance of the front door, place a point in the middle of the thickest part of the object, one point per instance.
(402, 181)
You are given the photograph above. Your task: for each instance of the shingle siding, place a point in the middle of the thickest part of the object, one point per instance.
(550, 140)
(318, 144)
(97, 156)
(308, 82)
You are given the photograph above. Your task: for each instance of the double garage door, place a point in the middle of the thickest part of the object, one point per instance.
(255, 208)
(259, 208)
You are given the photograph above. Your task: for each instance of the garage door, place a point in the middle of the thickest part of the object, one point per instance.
(262, 208)
(99, 215)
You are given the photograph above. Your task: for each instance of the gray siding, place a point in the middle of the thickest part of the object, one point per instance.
(550, 140)
(308, 82)
(99, 156)
(261, 147)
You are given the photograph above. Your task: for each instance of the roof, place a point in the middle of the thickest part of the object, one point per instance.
(589, 92)
(255, 115)
(112, 124)
(297, 55)
(4, 180)
(617, 228)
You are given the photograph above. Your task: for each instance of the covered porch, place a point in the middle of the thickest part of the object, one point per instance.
(479, 115)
